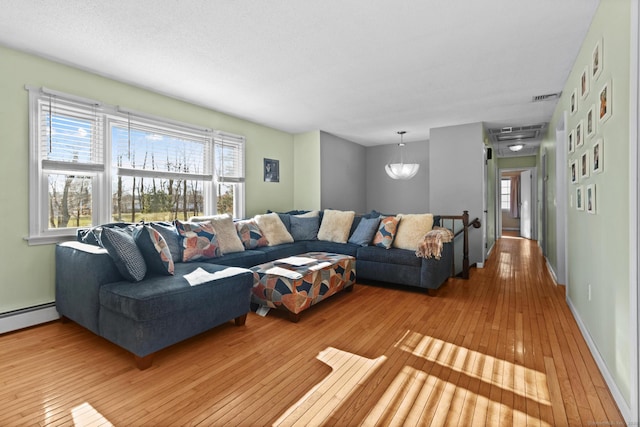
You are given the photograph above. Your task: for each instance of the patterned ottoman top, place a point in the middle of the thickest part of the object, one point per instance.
(296, 267)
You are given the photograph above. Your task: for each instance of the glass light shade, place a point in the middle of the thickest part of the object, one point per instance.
(402, 170)
(516, 147)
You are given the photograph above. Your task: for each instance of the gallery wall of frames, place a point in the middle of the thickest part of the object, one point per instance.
(590, 104)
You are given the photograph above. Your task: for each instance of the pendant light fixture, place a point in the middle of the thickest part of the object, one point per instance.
(402, 170)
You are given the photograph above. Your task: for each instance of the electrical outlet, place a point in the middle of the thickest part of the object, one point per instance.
(589, 291)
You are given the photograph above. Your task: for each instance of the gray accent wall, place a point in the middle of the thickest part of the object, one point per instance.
(343, 177)
(456, 177)
(396, 196)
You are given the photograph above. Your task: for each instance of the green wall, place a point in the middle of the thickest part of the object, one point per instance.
(598, 244)
(28, 271)
(517, 162)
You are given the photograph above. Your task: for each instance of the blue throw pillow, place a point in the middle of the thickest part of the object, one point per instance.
(363, 234)
(124, 252)
(304, 228)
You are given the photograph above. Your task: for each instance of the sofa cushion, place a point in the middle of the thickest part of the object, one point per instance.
(386, 232)
(335, 225)
(337, 248)
(199, 240)
(246, 259)
(284, 250)
(273, 229)
(250, 234)
(411, 230)
(364, 232)
(122, 248)
(154, 250)
(388, 256)
(304, 227)
(226, 232)
(162, 296)
(171, 236)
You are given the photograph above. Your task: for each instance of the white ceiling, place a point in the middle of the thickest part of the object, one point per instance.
(359, 69)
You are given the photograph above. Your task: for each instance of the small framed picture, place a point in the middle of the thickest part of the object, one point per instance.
(571, 141)
(590, 198)
(573, 171)
(591, 121)
(573, 102)
(584, 83)
(271, 170)
(580, 198)
(584, 165)
(596, 60)
(605, 102)
(579, 134)
(598, 156)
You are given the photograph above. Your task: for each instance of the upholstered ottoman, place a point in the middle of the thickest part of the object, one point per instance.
(296, 283)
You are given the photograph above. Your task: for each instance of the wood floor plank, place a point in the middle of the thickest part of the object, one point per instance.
(499, 349)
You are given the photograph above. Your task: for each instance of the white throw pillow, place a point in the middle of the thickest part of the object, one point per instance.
(273, 229)
(225, 232)
(336, 225)
(411, 230)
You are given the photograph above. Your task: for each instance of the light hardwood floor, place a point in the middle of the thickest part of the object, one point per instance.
(499, 349)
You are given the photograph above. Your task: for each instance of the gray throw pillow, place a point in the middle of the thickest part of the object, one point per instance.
(363, 234)
(125, 254)
(304, 228)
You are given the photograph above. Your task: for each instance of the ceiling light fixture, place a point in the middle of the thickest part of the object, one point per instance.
(516, 147)
(402, 170)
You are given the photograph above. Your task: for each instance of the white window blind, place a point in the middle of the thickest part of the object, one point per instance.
(229, 158)
(70, 134)
(144, 149)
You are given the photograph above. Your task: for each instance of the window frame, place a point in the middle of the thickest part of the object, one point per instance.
(102, 177)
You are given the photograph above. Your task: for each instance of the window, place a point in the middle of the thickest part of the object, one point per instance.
(160, 172)
(92, 163)
(229, 154)
(505, 194)
(67, 163)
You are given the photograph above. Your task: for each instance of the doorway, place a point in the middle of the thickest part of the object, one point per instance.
(516, 205)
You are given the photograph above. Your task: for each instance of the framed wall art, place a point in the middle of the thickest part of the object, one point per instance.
(579, 134)
(584, 83)
(590, 198)
(580, 198)
(598, 156)
(605, 102)
(584, 165)
(596, 60)
(573, 102)
(591, 121)
(571, 141)
(271, 170)
(573, 172)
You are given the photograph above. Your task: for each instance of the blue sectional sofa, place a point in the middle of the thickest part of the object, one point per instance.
(158, 308)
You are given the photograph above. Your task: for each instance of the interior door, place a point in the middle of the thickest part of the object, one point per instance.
(525, 204)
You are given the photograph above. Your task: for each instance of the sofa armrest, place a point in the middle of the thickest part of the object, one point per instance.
(81, 270)
(435, 272)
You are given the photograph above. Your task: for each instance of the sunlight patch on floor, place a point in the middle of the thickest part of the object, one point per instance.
(417, 398)
(350, 371)
(528, 383)
(87, 415)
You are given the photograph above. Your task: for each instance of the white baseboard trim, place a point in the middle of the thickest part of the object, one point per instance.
(554, 276)
(624, 407)
(19, 319)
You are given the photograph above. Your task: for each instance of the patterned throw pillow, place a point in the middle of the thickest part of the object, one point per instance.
(226, 232)
(171, 237)
(386, 232)
(198, 240)
(124, 252)
(154, 249)
(250, 234)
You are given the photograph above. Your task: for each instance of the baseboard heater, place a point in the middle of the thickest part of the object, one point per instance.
(25, 317)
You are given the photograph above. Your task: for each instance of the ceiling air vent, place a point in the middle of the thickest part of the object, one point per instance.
(547, 97)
